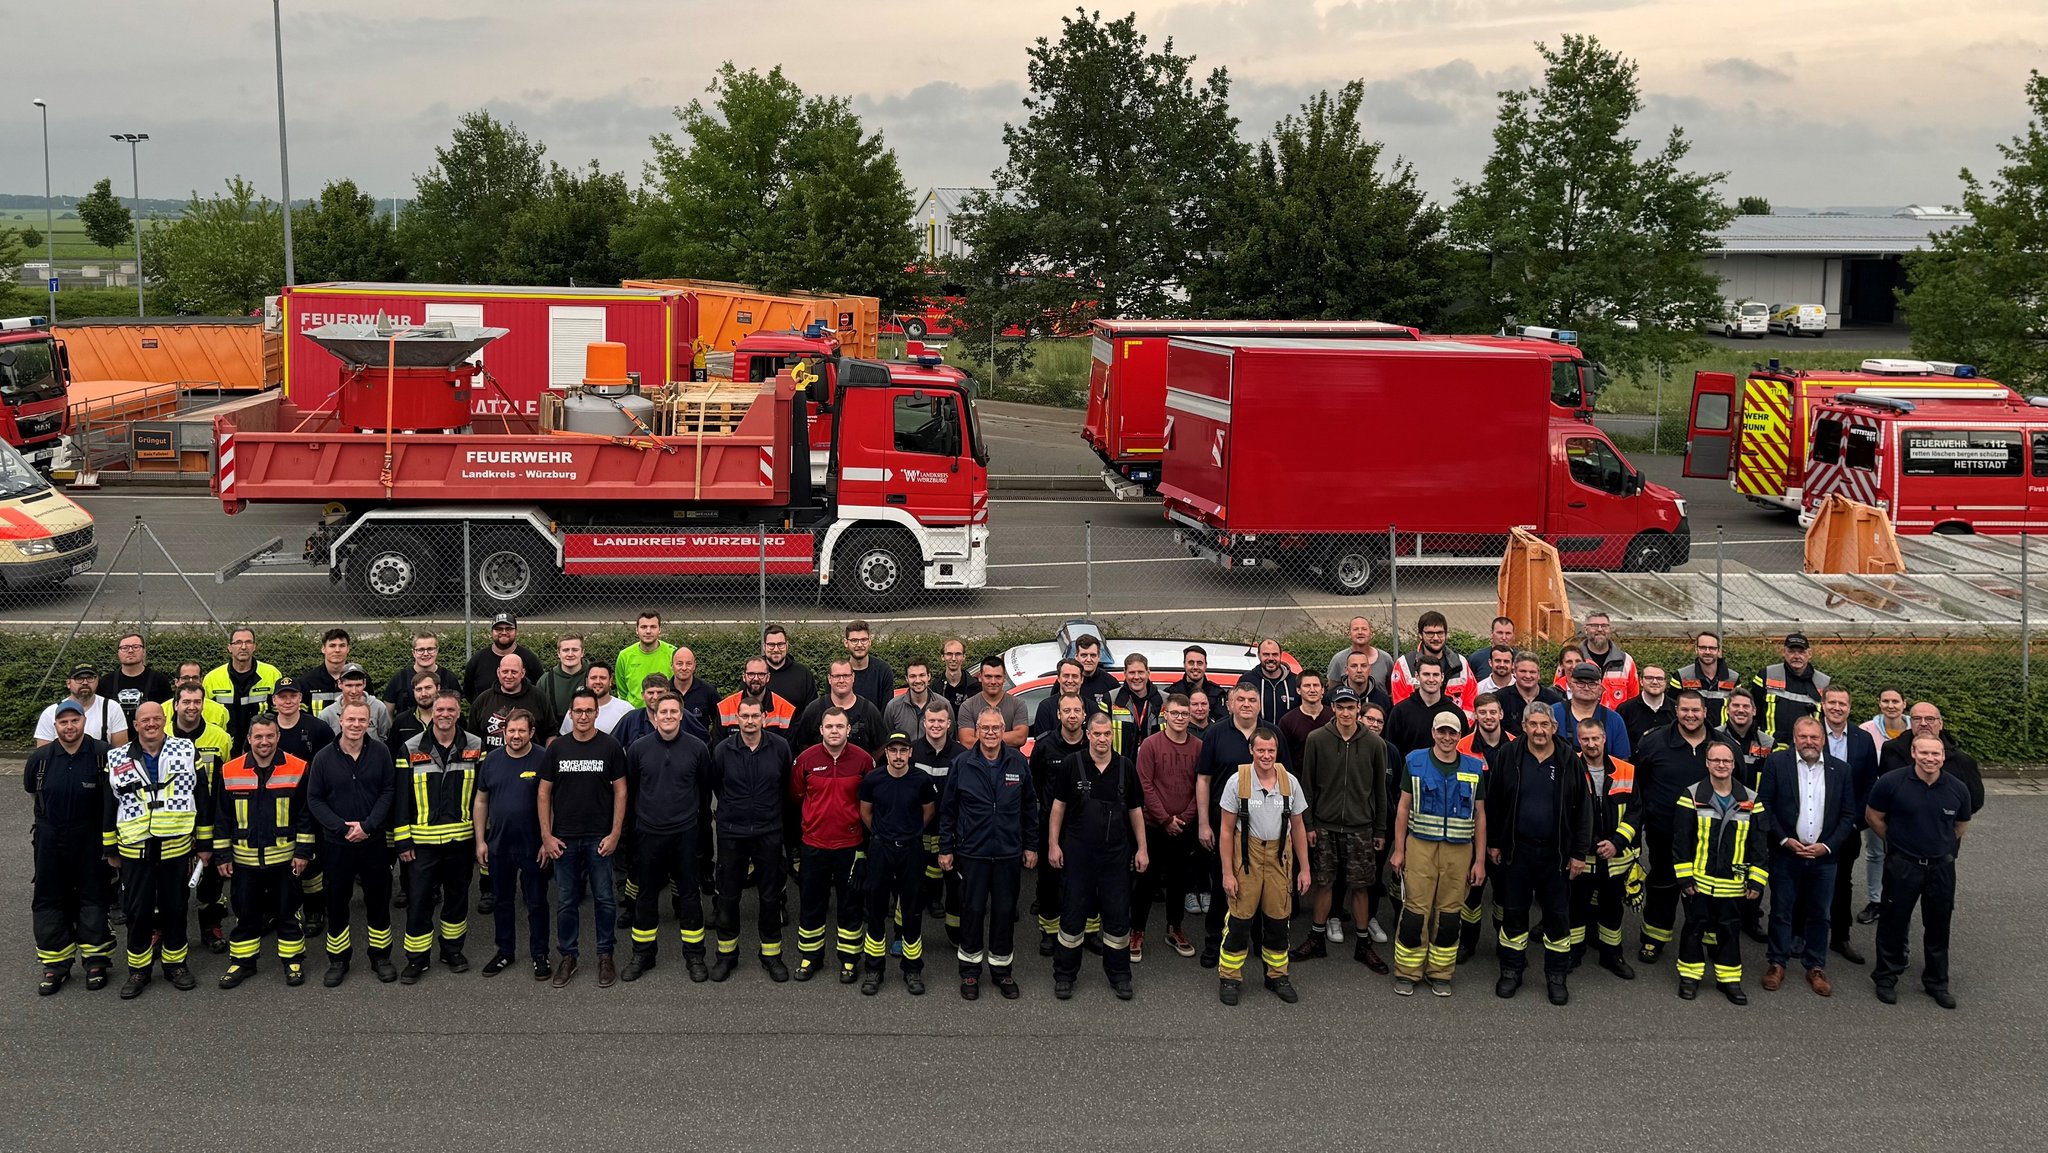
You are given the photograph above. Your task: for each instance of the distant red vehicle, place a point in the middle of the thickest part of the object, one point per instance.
(34, 370)
(1945, 464)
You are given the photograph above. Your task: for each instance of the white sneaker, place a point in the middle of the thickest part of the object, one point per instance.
(1379, 935)
(1335, 931)
(1194, 903)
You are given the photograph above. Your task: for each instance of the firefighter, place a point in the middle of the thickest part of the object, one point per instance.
(825, 787)
(188, 721)
(1618, 681)
(1790, 689)
(350, 793)
(67, 779)
(1672, 760)
(1439, 854)
(1604, 884)
(666, 772)
(1718, 844)
(1539, 811)
(934, 752)
(156, 817)
(749, 771)
(1711, 674)
(1067, 739)
(241, 685)
(435, 825)
(1262, 828)
(988, 823)
(263, 840)
(897, 803)
(1097, 838)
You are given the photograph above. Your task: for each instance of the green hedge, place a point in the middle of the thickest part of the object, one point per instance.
(1975, 682)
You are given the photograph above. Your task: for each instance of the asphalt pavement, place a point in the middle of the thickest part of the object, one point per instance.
(465, 1062)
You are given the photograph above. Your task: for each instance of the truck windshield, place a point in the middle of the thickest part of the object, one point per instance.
(17, 477)
(1567, 389)
(28, 372)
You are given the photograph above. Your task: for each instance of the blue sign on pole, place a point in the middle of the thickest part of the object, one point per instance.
(53, 284)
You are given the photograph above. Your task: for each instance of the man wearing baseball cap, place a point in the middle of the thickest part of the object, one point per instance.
(1585, 685)
(104, 720)
(69, 907)
(480, 675)
(1439, 852)
(897, 801)
(1790, 689)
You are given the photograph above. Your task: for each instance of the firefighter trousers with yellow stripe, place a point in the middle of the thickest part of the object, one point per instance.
(895, 891)
(440, 876)
(1718, 918)
(265, 900)
(662, 860)
(1434, 878)
(829, 878)
(69, 905)
(158, 904)
(1265, 888)
(1534, 877)
(1599, 899)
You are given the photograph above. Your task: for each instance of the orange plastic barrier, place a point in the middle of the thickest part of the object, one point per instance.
(1531, 588)
(1848, 537)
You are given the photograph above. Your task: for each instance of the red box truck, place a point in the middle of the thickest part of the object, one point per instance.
(1303, 453)
(1951, 464)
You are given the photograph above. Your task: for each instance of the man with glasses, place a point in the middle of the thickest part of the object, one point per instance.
(1460, 685)
(426, 659)
(582, 817)
(787, 677)
(957, 682)
(241, 686)
(1710, 676)
(133, 681)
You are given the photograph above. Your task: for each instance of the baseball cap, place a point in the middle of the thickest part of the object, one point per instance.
(1344, 695)
(505, 619)
(84, 671)
(1585, 671)
(285, 685)
(1797, 641)
(1448, 720)
(897, 739)
(347, 671)
(67, 705)
(652, 679)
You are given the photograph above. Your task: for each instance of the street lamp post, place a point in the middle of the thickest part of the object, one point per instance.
(132, 139)
(284, 167)
(49, 209)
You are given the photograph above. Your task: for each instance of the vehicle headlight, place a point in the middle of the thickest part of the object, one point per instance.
(37, 547)
(1681, 508)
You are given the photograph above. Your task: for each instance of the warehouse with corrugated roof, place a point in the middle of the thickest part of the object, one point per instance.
(1849, 264)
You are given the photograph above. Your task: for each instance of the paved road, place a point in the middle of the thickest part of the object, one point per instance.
(460, 1062)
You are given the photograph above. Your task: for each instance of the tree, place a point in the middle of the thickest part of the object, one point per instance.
(31, 239)
(463, 207)
(106, 220)
(772, 187)
(1316, 232)
(342, 236)
(565, 235)
(1110, 200)
(1980, 294)
(222, 256)
(1574, 223)
(1752, 206)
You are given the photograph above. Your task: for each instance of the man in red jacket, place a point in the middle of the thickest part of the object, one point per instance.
(825, 786)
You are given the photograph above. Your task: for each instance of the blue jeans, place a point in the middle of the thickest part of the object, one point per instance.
(1873, 865)
(580, 862)
(1802, 891)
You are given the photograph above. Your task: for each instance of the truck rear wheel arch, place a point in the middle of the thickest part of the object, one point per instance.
(1954, 528)
(876, 568)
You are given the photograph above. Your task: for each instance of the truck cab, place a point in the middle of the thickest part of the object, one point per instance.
(1604, 513)
(34, 372)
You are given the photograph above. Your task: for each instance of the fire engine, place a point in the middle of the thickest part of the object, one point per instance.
(1975, 463)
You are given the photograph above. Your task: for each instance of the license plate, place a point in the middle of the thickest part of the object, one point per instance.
(80, 567)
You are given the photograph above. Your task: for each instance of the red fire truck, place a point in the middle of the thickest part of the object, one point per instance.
(696, 490)
(1955, 464)
(34, 372)
(1303, 453)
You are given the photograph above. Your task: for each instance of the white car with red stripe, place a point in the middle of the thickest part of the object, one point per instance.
(44, 536)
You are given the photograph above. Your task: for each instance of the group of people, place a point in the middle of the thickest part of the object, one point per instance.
(1394, 787)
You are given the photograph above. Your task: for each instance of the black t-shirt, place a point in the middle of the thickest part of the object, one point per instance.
(1098, 803)
(581, 773)
(1920, 819)
(899, 802)
(1536, 824)
(309, 736)
(128, 692)
(512, 786)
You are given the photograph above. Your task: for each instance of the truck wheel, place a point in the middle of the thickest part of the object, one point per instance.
(393, 574)
(1352, 568)
(508, 572)
(914, 328)
(876, 570)
(1648, 552)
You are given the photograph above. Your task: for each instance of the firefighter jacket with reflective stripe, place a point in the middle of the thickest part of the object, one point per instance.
(172, 806)
(1460, 685)
(1789, 696)
(1136, 717)
(213, 746)
(1443, 800)
(220, 689)
(1720, 853)
(776, 714)
(1714, 686)
(261, 812)
(436, 789)
(1618, 680)
(1614, 816)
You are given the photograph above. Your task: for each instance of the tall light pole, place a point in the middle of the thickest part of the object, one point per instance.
(49, 209)
(135, 170)
(284, 166)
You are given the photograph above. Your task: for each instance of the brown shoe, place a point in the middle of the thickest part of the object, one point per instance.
(607, 973)
(1818, 978)
(1774, 978)
(565, 970)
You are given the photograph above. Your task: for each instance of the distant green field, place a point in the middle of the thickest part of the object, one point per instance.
(71, 242)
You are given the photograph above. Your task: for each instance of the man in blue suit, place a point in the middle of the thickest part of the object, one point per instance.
(1847, 742)
(1808, 801)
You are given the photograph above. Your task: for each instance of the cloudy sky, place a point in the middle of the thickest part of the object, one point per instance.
(1808, 102)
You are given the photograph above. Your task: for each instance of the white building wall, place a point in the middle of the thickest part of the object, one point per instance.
(1782, 280)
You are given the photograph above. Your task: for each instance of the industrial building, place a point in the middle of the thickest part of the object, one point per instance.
(1848, 263)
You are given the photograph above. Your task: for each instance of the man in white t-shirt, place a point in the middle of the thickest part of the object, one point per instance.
(103, 716)
(597, 677)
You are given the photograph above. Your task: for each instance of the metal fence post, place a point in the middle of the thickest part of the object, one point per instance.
(1394, 588)
(1088, 566)
(2026, 643)
(468, 619)
(1720, 560)
(764, 581)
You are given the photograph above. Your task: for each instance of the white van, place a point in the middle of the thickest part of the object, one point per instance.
(1799, 319)
(1745, 318)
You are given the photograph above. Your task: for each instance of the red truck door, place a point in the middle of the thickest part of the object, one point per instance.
(906, 447)
(1095, 428)
(1710, 433)
(1591, 519)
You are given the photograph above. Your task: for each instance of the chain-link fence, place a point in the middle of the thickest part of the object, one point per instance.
(1955, 629)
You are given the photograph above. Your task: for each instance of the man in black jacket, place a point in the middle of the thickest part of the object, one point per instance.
(665, 772)
(67, 777)
(1672, 760)
(988, 822)
(1539, 818)
(350, 790)
(1810, 802)
(750, 778)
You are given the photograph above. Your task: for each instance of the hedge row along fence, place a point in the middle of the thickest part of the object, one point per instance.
(1976, 681)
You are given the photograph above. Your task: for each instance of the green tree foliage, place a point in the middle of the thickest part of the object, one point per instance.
(31, 238)
(222, 257)
(463, 208)
(1316, 231)
(565, 235)
(1980, 294)
(1573, 222)
(1111, 198)
(342, 236)
(106, 219)
(1752, 206)
(772, 187)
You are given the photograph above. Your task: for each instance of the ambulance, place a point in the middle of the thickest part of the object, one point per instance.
(1956, 464)
(1755, 432)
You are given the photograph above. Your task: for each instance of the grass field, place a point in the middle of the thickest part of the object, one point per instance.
(72, 246)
